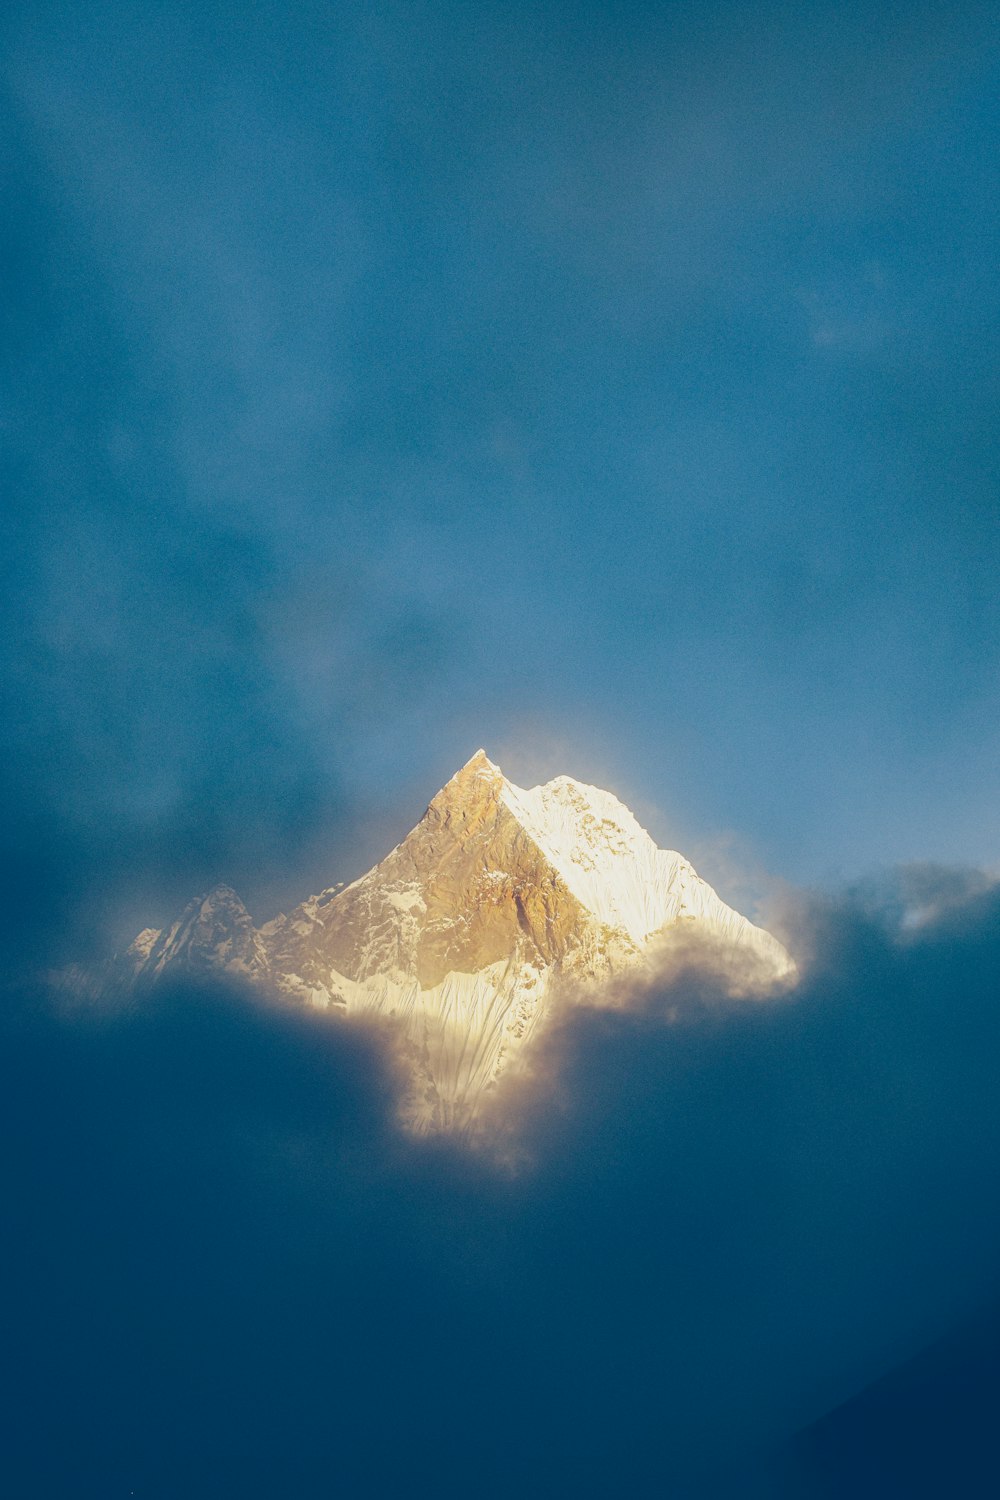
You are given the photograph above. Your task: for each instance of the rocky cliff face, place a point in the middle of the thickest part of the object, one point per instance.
(463, 932)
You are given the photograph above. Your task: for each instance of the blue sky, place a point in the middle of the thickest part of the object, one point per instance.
(612, 386)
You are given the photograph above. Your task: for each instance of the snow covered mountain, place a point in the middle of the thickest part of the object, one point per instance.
(499, 898)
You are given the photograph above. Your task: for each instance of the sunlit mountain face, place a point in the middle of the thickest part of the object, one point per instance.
(500, 902)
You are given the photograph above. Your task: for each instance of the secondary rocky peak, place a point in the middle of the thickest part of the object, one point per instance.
(214, 931)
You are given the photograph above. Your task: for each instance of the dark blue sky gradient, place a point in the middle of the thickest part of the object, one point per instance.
(613, 386)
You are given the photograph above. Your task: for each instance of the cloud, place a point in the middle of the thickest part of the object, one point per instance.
(233, 1274)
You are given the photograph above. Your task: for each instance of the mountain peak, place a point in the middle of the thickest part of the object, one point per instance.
(496, 901)
(480, 764)
(478, 783)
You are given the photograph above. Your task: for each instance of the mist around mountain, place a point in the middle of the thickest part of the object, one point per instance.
(230, 1271)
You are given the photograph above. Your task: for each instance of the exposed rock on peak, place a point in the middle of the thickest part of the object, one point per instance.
(477, 784)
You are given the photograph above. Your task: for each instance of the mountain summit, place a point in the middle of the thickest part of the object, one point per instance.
(498, 898)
